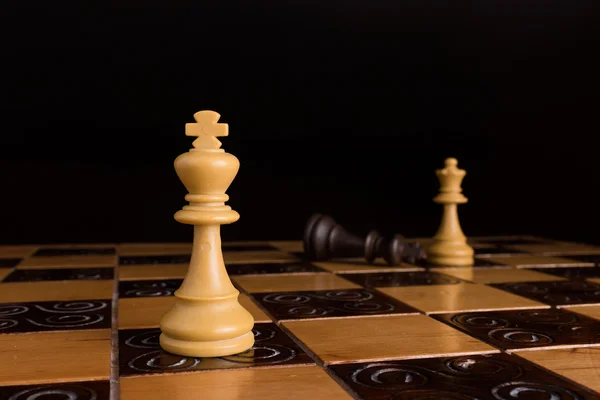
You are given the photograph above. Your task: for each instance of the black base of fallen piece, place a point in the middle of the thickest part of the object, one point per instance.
(324, 239)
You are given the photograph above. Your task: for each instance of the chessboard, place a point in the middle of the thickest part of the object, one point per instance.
(82, 322)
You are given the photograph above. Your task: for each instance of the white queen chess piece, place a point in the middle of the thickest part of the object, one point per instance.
(449, 245)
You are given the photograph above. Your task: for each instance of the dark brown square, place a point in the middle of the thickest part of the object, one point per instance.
(55, 316)
(154, 288)
(571, 272)
(140, 353)
(74, 252)
(61, 274)
(94, 390)
(272, 268)
(493, 376)
(526, 329)
(511, 241)
(477, 263)
(555, 293)
(9, 262)
(330, 303)
(496, 251)
(588, 258)
(389, 279)
(155, 260)
(237, 247)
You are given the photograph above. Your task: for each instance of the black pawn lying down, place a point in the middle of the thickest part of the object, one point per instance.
(324, 240)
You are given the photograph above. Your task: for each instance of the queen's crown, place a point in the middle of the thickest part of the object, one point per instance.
(450, 178)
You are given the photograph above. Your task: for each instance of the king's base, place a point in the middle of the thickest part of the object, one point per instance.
(218, 348)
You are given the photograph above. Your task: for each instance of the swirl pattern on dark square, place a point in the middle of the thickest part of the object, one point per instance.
(140, 353)
(330, 303)
(273, 268)
(494, 376)
(155, 260)
(94, 390)
(525, 329)
(389, 279)
(571, 272)
(154, 288)
(61, 274)
(556, 293)
(105, 251)
(55, 316)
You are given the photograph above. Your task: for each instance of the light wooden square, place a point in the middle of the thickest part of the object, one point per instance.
(289, 383)
(590, 311)
(423, 241)
(146, 312)
(494, 275)
(91, 261)
(387, 337)
(4, 272)
(459, 298)
(15, 292)
(49, 357)
(149, 272)
(581, 365)
(77, 246)
(16, 251)
(595, 280)
(296, 246)
(361, 266)
(537, 261)
(292, 283)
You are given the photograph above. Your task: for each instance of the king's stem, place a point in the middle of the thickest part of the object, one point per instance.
(206, 276)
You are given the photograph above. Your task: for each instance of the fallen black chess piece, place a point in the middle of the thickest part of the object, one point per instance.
(324, 239)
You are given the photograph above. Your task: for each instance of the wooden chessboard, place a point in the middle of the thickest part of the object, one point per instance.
(81, 322)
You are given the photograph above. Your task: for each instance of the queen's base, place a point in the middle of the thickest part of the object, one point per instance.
(451, 261)
(450, 254)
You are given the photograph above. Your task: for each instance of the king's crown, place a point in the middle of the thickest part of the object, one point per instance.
(206, 129)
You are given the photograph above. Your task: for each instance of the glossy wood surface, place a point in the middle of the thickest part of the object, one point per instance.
(527, 311)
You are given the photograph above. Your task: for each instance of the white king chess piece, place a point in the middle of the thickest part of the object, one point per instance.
(206, 319)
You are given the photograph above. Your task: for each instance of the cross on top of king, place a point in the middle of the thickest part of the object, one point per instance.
(207, 129)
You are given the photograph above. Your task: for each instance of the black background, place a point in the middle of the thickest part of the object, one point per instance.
(340, 107)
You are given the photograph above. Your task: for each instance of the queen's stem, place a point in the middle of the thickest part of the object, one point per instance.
(450, 225)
